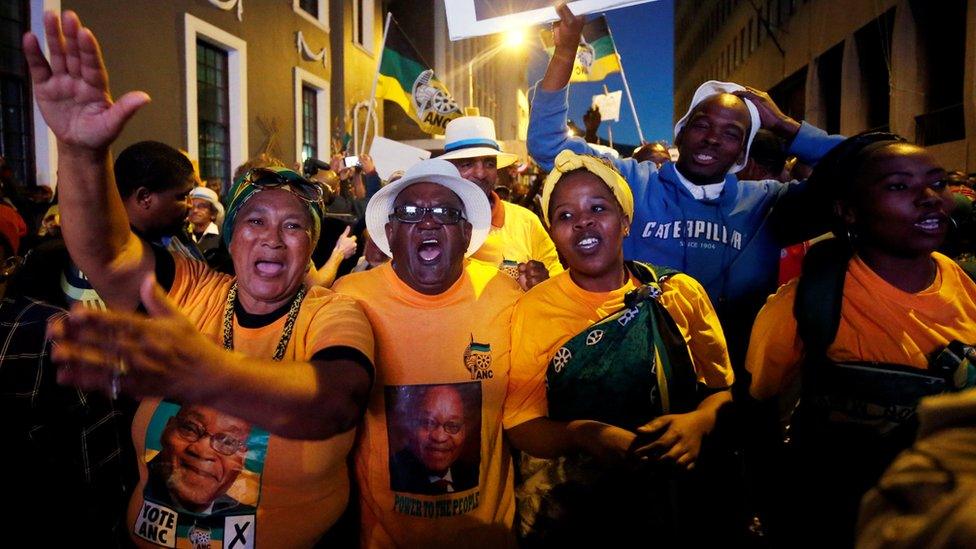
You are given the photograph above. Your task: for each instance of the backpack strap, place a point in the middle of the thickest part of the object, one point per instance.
(819, 295)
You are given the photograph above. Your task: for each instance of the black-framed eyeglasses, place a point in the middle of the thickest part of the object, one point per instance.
(221, 442)
(450, 427)
(409, 213)
(265, 178)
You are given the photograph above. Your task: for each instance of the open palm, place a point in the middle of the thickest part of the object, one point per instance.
(569, 28)
(72, 90)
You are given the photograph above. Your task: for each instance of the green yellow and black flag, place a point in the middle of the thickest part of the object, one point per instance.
(408, 81)
(596, 57)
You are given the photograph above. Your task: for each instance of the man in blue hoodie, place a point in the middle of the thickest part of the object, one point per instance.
(695, 215)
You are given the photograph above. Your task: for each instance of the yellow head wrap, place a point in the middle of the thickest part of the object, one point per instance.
(568, 161)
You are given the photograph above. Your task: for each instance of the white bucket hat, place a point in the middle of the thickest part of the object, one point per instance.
(471, 137)
(477, 210)
(714, 87)
(210, 196)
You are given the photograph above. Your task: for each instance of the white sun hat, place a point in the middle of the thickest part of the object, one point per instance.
(477, 210)
(714, 87)
(471, 137)
(210, 196)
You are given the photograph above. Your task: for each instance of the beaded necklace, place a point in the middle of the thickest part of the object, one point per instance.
(279, 353)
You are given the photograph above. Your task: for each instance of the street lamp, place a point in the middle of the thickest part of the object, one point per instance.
(512, 40)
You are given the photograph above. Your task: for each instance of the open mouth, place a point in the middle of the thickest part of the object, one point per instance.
(703, 158)
(429, 250)
(269, 268)
(931, 223)
(588, 243)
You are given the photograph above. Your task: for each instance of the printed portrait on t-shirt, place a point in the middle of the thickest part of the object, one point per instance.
(435, 437)
(204, 478)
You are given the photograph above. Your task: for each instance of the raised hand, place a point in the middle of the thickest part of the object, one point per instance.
(160, 355)
(72, 90)
(592, 119)
(346, 245)
(567, 31)
(566, 37)
(531, 273)
(771, 117)
(366, 161)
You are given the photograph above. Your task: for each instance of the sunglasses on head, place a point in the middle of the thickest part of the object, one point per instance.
(265, 178)
(415, 214)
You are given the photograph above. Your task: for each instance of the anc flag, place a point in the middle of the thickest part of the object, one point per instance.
(596, 57)
(409, 82)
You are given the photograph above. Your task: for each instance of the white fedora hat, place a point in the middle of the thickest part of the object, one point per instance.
(477, 210)
(210, 196)
(471, 137)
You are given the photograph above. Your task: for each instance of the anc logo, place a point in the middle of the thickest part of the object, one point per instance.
(477, 360)
(433, 103)
(585, 56)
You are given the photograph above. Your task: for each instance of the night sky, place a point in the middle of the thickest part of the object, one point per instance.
(644, 38)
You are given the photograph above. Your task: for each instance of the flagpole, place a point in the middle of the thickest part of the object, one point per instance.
(623, 76)
(376, 78)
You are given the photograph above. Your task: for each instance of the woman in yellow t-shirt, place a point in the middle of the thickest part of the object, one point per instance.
(588, 207)
(902, 304)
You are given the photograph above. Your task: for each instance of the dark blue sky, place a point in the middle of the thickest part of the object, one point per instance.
(645, 40)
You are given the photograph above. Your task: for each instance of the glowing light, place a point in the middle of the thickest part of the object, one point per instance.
(514, 38)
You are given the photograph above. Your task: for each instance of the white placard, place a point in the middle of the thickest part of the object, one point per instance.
(467, 18)
(609, 105)
(390, 156)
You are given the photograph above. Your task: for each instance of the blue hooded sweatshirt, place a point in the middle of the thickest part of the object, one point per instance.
(731, 244)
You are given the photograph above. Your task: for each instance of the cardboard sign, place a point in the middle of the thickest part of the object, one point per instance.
(609, 105)
(467, 18)
(390, 156)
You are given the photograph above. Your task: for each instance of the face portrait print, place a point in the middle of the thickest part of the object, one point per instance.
(435, 437)
(204, 474)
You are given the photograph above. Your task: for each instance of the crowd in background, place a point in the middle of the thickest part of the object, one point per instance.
(733, 343)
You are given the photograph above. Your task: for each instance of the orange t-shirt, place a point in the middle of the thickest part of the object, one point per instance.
(429, 477)
(878, 322)
(556, 310)
(288, 492)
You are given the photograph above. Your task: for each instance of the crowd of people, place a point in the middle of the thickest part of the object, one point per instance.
(730, 347)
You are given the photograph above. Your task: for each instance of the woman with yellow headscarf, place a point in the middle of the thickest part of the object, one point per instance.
(629, 344)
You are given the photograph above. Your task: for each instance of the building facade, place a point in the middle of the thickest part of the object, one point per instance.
(229, 79)
(483, 73)
(844, 65)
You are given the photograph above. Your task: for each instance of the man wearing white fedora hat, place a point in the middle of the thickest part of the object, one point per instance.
(205, 217)
(444, 322)
(517, 241)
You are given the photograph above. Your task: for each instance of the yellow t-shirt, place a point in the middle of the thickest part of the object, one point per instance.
(289, 492)
(556, 310)
(878, 322)
(517, 236)
(457, 342)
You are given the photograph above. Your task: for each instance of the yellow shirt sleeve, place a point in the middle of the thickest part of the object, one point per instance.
(692, 311)
(526, 397)
(775, 348)
(340, 322)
